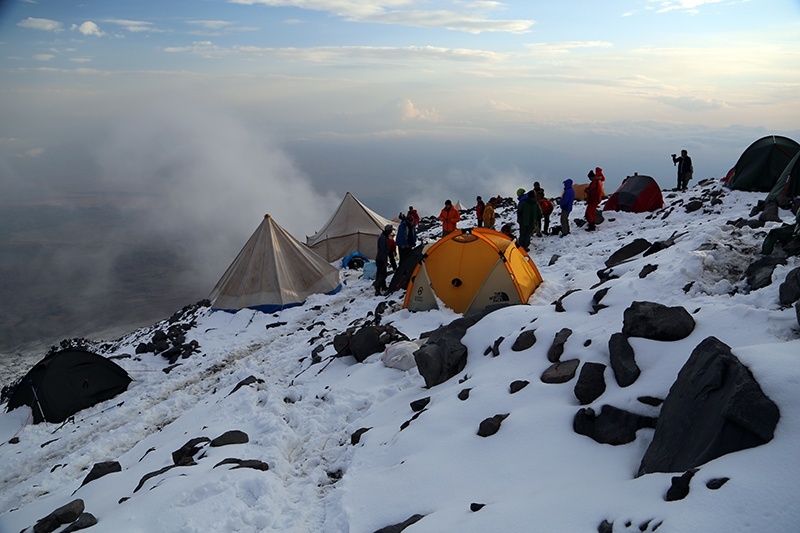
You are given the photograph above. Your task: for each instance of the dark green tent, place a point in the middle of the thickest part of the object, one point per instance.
(760, 166)
(65, 382)
(788, 184)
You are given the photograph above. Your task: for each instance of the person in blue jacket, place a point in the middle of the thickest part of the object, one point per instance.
(406, 237)
(567, 198)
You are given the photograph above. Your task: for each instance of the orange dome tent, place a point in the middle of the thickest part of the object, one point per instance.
(470, 269)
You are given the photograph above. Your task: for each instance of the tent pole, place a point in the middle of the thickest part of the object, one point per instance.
(36, 397)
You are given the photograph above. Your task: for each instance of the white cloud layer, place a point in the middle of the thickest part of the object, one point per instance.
(32, 23)
(469, 17)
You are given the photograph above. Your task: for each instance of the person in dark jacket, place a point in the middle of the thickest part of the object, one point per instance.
(479, 207)
(529, 216)
(685, 170)
(382, 259)
(567, 199)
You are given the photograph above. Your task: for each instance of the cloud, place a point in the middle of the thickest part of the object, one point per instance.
(88, 28)
(409, 112)
(566, 47)
(41, 24)
(691, 6)
(43, 57)
(346, 55)
(469, 17)
(134, 26)
(690, 103)
(210, 24)
(32, 153)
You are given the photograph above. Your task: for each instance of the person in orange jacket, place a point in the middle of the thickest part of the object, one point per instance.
(449, 217)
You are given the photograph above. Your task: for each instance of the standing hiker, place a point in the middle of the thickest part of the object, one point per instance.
(449, 218)
(685, 170)
(567, 198)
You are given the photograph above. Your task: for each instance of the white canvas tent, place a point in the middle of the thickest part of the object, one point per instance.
(353, 228)
(273, 271)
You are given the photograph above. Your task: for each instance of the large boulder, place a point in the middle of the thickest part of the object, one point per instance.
(657, 322)
(715, 407)
(373, 339)
(443, 356)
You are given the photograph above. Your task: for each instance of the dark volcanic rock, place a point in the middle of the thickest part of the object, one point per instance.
(647, 270)
(518, 385)
(631, 249)
(491, 425)
(355, 438)
(612, 426)
(234, 436)
(789, 291)
(759, 272)
(65, 514)
(84, 520)
(185, 455)
(419, 405)
(365, 342)
(525, 340)
(680, 486)
(657, 322)
(714, 407)
(556, 350)
(443, 356)
(397, 528)
(591, 383)
(717, 483)
(623, 362)
(101, 469)
(561, 371)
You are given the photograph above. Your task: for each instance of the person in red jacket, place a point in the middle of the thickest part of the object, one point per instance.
(412, 216)
(449, 217)
(594, 194)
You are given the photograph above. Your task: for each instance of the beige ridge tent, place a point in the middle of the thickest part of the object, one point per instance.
(272, 272)
(353, 228)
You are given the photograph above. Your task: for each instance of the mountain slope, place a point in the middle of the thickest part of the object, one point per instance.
(534, 474)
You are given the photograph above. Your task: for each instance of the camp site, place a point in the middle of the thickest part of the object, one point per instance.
(584, 384)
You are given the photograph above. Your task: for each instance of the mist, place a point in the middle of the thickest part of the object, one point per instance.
(140, 222)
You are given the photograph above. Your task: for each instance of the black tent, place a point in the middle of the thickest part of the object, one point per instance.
(760, 166)
(65, 382)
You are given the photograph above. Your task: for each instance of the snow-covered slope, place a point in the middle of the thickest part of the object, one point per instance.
(535, 474)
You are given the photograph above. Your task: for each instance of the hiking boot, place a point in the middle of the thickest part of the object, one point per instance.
(591, 227)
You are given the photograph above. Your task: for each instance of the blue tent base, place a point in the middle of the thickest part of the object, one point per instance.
(274, 308)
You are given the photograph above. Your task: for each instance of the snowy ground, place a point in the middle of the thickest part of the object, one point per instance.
(535, 474)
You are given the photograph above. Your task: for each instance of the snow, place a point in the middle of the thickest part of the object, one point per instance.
(535, 474)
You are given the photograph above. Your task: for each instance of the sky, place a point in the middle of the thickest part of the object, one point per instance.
(535, 474)
(463, 94)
